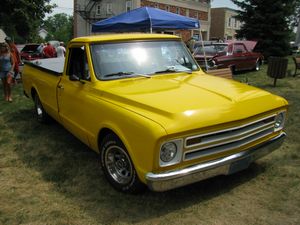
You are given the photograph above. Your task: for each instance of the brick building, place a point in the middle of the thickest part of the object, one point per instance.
(89, 11)
(224, 24)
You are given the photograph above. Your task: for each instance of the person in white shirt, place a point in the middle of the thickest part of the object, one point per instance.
(61, 50)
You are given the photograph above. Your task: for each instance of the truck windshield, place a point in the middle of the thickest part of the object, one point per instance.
(143, 58)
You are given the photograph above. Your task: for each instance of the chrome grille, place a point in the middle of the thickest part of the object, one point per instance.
(231, 138)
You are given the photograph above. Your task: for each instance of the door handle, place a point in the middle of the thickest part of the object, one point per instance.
(60, 86)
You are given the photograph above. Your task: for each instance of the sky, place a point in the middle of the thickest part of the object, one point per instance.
(66, 6)
(223, 3)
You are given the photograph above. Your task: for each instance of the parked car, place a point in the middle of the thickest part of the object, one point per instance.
(30, 52)
(237, 55)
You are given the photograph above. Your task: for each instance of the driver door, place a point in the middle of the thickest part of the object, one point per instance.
(73, 95)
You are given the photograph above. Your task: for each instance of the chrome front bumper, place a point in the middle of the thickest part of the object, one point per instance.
(223, 166)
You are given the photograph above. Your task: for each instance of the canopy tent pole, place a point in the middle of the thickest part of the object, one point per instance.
(202, 43)
(150, 19)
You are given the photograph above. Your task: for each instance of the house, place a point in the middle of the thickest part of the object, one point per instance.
(224, 24)
(43, 33)
(90, 11)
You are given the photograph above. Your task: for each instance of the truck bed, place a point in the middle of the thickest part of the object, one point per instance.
(51, 65)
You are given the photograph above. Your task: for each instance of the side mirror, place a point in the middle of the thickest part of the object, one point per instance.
(73, 77)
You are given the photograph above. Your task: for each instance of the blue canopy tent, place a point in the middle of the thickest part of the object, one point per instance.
(145, 19)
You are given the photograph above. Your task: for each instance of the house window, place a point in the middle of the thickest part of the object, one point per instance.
(156, 5)
(168, 8)
(128, 6)
(232, 22)
(109, 8)
(98, 9)
(178, 10)
(236, 24)
(229, 22)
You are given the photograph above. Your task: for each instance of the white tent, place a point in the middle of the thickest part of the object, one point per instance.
(2, 36)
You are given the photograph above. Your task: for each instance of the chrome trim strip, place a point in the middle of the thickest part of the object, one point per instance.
(237, 137)
(225, 130)
(235, 140)
(230, 146)
(177, 178)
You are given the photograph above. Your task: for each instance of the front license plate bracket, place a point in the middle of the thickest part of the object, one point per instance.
(239, 165)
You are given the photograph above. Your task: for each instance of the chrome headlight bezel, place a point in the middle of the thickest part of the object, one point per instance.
(279, 121)
(165, 149)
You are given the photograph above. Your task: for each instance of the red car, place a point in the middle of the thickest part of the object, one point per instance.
(31, 52)
(237, 55)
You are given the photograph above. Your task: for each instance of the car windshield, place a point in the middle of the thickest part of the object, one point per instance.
(143, 58)
(211, 50)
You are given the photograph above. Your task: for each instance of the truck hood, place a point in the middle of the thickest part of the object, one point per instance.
(181, 102)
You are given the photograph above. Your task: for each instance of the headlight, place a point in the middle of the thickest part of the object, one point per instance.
(211, 63)
(170, 153)
(279, 121)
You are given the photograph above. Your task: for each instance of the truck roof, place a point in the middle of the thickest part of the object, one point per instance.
(119, 37)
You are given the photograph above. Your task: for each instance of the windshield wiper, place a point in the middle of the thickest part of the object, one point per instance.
(126, 74)
(118, 74)
(141, 75)
(172, 70)
(168, 70)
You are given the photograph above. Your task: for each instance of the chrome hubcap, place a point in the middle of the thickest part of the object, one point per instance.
(39, 110)
(118, 165)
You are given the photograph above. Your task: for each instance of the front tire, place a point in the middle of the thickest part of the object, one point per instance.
(118, 167)
(257, 65)
(41, 114)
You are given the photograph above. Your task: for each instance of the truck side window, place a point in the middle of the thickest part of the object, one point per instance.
(78, 64)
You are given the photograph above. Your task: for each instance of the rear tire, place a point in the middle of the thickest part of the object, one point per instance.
(118, 167)
(41, 114)
(233, 71)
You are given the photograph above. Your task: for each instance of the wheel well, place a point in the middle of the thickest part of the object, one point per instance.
(259, 60)
(102, 134)
(33, 93)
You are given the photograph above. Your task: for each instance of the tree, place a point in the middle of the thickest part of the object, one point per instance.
(295, 17)
(59, 27)
(21, 18)
(268, 22)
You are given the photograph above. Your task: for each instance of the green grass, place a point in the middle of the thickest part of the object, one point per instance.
(48, 177)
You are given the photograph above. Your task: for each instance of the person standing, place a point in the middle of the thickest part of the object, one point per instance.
(41, 48)
(61, 50)
(191, 44)
(7, 65)
(49, 51)
(16, 54)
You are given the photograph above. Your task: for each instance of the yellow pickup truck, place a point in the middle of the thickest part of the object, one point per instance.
(154, 116)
